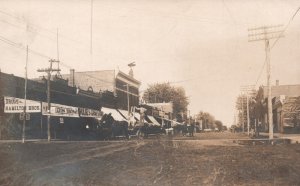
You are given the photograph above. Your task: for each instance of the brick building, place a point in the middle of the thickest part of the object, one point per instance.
(108, 81)
(283, 97)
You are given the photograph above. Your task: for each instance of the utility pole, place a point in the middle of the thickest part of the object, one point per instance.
(248, 118)
(25, 98)
(48, 71)
(91, 29)
(189, 117)
(128, 103)
(243, 122)
(247, 89)
(265, 33)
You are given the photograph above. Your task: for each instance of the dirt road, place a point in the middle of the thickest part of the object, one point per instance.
(156, 161)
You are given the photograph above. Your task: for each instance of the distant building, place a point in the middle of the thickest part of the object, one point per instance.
(277, 90)
(286, 114)
(70, 111)
(160, 110)
(108, 80)
(285, 101)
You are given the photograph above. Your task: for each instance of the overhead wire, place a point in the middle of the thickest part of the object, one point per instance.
(291, 19)
(37, 27)
(37, 30)
(20, 46)
(277, 38)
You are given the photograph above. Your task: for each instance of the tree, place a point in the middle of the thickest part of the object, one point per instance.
(164, 92)
(206, 118)
(219, 125)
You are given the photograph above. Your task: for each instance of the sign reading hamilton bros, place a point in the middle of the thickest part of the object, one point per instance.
(85, 112)
(60, 110)
(16, 105)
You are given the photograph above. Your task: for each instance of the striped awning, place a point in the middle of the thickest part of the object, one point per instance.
(114, 113)
(153, 120)
(123, 112)
(137, 116)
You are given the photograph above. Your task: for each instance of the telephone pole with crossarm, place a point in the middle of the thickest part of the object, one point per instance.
(265, 33)
(49, 71)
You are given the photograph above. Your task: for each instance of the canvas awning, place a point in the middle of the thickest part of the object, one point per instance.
(114, 113)
(123, 112)
(137, 116)
(153, 120)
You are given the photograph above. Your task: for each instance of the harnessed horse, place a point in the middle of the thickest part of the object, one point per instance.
(109, 128)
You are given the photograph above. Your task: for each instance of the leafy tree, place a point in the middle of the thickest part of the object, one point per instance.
(207, 119)
(219, 124)
(164, 92)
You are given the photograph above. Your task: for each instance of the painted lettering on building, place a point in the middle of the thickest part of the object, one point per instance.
(16, 105)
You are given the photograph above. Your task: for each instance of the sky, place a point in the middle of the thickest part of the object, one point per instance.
(199, 45)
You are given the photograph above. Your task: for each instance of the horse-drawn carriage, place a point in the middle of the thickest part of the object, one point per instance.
(184, 128)
(109, 128)
(143, 130)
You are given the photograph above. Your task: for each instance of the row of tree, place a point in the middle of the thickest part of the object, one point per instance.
(165, 92)
(256, 109)
(208, 121)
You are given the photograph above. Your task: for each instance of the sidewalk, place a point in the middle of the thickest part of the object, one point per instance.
(295, 138)
(20, 141)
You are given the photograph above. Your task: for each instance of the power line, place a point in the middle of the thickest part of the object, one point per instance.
(91, 47)
(51, 32)
(290, 20)
(20, 46)
(37, 27)
(261, 71)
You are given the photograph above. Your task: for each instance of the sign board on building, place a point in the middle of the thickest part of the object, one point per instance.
(16, 105)
(166, 107)
(27, 116)
(60, 110)
(85, 112)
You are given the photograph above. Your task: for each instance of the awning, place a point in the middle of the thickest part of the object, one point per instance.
(137, 116)
(123, 112)
(114, 113)
(173, 122)
(153, 120)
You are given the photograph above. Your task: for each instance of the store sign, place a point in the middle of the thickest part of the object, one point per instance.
(22, 115)
(85, 112)
(60, 110)
(16, 105)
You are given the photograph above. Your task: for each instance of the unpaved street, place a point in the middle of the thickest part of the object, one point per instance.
(156, 161)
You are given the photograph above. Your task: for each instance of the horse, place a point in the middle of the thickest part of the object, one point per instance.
(186, 130)
(109, 128)
(143, 130)
(190, 130)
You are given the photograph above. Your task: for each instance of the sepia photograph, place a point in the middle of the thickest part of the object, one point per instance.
(141, 92)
